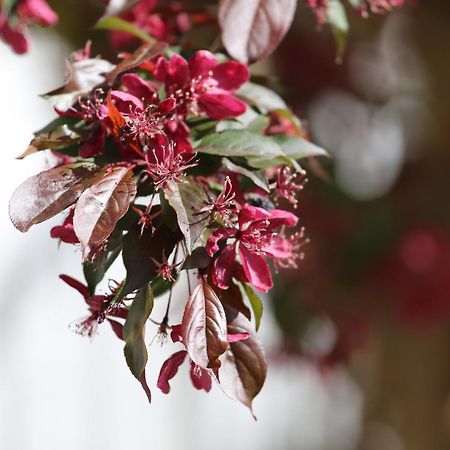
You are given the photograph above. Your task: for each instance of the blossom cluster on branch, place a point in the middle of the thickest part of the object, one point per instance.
(173, 159)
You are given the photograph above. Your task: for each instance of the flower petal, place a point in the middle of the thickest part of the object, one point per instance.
(279, 217)
(219, 104)
(169, 369)
(231, 75)
(256, 269)
(202, 63)
(201, 379)
(223, 266)
(212, 246)
(138, 87)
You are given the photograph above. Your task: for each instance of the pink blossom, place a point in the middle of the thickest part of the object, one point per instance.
(254, 238)
(36, 11)
(13, 36)
(100, 308)
(163, 25)
(203, 85)
(164, 164)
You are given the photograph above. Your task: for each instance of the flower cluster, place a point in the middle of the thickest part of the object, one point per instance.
(173, 159)
(15, 18)
(320, 7)
(163, 159)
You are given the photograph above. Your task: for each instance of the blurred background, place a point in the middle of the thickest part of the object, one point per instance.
(358, 338)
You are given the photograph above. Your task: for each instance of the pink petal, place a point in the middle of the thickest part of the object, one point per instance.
(279, 217)
(65, 232)
(256, 269)
(175, 334)
(14, 37)
(231, 75)
(138, 87)
(251, 214)
(81, 288)
(223, 266)
(174, 72)
(169, 369)
(280, 247)
(202, 63)
(212, 245)
(167, 105)
(237, 337)
(201, 379)
(219, 104)
(36, 11)
(125, 100)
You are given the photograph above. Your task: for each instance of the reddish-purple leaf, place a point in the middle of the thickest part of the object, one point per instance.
(83, 75)
(201, 378)
(169, 369)
(243, 370)
(101, 206)
(204, 327)
(142, 54)
(232, 297)
(252, 29)
(46, 194)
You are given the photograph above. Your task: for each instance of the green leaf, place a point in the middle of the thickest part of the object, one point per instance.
(58, 122)
(133, 331)
(116, 23)
(259, 124)
(337, 18)
(258, 177)
(94, 272)
(262, 98)
(298, 148)
(187, 198)
(160, 286)
(260, 150)
(141, 54)
(55, 139)
(255, 303)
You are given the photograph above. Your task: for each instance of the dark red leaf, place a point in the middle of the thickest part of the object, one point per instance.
(233, 297)
(201, 378)
(142, 54)
(243, 370)
(204, 327)
(48, 193)
(169, 369)
(101, 206)
(138, 251)
(252, 29)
